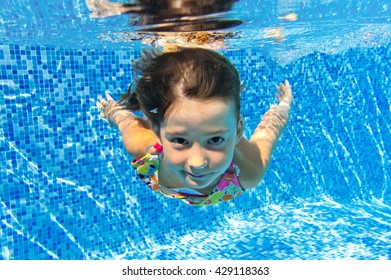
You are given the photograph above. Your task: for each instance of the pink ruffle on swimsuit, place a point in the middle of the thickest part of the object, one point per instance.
(147, 169)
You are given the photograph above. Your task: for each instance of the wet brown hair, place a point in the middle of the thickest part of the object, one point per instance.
(193, 73)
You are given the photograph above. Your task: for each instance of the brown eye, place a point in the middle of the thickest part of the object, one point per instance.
(180, 141)
(216, 141)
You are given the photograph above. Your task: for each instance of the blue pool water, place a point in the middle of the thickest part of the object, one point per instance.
(66, 187)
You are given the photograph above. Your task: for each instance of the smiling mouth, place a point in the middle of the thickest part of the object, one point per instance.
(198, 176)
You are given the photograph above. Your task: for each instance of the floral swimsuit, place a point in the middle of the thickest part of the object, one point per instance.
(147, 169)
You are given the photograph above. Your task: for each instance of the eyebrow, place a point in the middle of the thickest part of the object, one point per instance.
(212, 132)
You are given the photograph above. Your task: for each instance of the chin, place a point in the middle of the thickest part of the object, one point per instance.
(199, 183)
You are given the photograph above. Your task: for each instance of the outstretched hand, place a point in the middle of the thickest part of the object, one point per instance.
(284, 92)
(106, 106)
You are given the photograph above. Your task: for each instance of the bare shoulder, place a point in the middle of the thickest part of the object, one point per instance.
(252, 169)
(137, 136)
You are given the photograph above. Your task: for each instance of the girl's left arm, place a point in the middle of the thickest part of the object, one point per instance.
(255, 155)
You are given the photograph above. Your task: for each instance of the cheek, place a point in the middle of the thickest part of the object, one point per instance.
(226, 156)
(174, 157)
(220, 159)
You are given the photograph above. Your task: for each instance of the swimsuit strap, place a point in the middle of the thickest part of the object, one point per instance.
(228, 188)
(158, 147)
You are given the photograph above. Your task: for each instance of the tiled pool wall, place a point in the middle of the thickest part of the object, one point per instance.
(66, 187)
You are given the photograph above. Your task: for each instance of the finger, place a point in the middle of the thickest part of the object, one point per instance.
(102, 115)
(282, 87)
(279, 88)
(108, 97)
(102, 101)
(278, 97)
(99, 105)
(287, 86)
(280, 93)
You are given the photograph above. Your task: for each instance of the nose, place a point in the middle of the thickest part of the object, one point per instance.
(197, 159)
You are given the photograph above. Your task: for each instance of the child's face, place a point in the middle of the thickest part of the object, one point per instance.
(199, 138)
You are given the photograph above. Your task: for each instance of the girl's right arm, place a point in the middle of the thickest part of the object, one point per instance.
(136, 131)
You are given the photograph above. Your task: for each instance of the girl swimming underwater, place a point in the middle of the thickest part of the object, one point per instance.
(190, 144)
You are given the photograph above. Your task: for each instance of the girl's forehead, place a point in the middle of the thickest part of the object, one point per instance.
(212, 112)
(191, 107)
